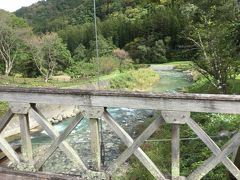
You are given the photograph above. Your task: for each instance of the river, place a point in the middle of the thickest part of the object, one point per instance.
(170, 81)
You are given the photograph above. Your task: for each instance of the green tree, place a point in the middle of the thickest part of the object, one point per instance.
(50, 54)
(159, 52)
(123, 57)
(12, 32)
(106, 47)
(218, 55)
(80, 53)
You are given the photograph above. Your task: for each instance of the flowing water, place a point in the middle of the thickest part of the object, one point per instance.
(170, 81)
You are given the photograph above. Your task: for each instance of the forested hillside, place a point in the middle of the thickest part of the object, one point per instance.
(151, 31)
(131, 32)
(148, 31)
(53, 15)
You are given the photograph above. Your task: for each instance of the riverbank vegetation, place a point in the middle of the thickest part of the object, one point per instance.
(135, 80)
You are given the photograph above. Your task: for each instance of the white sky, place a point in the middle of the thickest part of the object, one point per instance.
(13, 5)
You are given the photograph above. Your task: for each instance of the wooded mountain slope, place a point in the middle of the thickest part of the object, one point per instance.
(53, 15)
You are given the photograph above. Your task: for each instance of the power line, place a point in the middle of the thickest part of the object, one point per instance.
(186, 139)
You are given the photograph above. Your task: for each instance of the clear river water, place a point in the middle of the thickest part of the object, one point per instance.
(170, 81)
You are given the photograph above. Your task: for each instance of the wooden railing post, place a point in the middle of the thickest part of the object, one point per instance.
(95, 143)
(175, 151)
(25, 137)
(236, 160)
(93, 114)
(22, 111)
(176, 119)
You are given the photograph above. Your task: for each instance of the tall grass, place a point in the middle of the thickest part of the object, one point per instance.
(135, 80)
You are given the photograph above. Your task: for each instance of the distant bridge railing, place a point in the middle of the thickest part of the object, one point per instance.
(175, 110)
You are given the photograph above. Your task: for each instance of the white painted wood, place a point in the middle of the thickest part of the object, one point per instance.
(19, 108)
(214, 160)
(66, 148)
(136, 144)
(26, 144)
(212, 146)
(175, 151)
(174, 117)
(5, 119)
(8, 151)
(91, 112)
(176, 104)
(58, 141)
(123, 135)
(235, 153)
(95, 143)
(165, 102)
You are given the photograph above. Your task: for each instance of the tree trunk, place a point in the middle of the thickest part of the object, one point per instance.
(222, 90)
(8, 68)
(46, 79)
(120, 65)
(48, 76)
(222, 85)
(6, 74)
(7, 71)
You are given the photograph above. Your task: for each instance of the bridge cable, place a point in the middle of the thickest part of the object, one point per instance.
(102, 148)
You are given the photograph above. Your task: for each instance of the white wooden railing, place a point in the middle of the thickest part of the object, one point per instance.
(175, 110)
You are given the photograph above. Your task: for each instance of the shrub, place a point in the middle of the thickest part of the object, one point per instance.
(141, 79)
(108, 64)
(82, 69)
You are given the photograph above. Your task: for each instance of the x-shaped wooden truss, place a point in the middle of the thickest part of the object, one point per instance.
(133, 146)
(58, 140)
(174, 118)
(4, 145)
(218, 154)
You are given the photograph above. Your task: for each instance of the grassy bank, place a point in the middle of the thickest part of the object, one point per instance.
(53, 83)
(135, 80)
(39, 82)
(202, 85)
